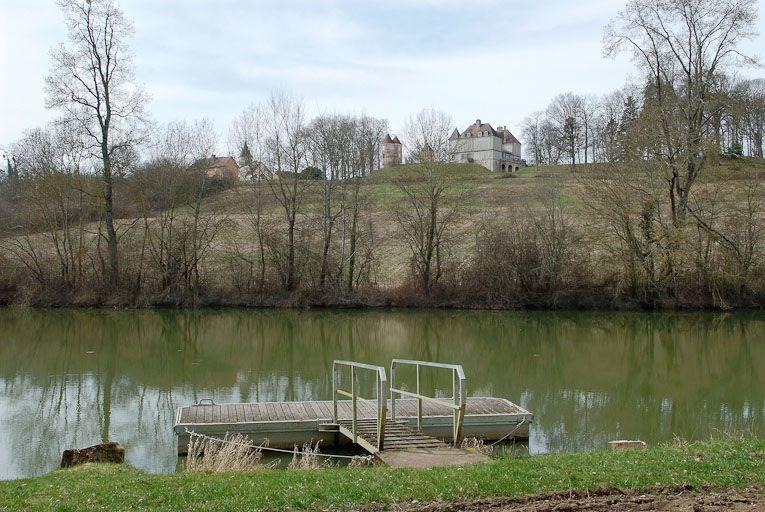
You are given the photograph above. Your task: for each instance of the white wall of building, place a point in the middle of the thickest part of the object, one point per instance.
(487, 151)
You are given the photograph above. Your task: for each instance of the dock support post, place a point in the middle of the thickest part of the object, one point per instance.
(419, 400)
(334, 392)
(392, 393)
(382, 413)
(353, 401)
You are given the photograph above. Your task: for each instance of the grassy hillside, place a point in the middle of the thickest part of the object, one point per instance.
(546, 236)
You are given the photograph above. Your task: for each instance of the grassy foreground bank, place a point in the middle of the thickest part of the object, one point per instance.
(720, 463)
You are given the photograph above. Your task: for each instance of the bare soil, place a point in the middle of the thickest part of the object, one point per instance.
(659, 499)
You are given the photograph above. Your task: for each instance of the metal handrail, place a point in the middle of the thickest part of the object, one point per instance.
(382, 393)
(459, 397)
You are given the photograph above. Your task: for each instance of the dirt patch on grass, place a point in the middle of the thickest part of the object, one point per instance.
(661, 499)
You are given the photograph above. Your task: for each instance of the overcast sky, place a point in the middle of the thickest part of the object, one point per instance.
(497, 60)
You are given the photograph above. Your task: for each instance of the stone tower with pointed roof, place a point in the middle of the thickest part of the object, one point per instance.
(392, 151)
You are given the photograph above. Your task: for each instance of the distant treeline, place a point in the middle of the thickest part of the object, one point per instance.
(582, 128)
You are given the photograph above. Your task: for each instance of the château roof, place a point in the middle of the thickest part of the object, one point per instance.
(217, 167)
(479, 129)
(507, 137)
(388, 140)
(216, 162)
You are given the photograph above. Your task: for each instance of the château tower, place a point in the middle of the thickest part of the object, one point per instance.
(392, 153)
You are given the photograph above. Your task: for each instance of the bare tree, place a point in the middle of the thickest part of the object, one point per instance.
(753, 115)
(550, 142)
(330, 138)
(682, 46)
(285, 130)
(429, 212)
(564, 114)
(607, 126)
(247, 136)
(91, 81)
(365, 159)
(432, 199)
(171, 190)
(427, 136)
(588, 111)
(54, 201)
(532, 134)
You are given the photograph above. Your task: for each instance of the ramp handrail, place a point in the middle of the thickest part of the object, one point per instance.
(381, 398)
(459, 396)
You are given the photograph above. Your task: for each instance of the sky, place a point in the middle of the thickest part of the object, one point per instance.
(497, 60)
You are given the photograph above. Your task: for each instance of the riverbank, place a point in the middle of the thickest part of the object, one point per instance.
(377, 298)
(731, 463)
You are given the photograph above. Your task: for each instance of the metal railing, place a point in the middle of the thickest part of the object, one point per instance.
(459, 397)
(382, 393)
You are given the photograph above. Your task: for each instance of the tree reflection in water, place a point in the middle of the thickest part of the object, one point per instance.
(72, 378)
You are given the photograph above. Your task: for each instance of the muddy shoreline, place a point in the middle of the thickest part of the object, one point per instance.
(666, 499)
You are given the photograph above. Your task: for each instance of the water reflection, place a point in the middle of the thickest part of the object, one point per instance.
(72, 378)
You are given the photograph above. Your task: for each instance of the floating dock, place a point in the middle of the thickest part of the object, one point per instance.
(412, 431)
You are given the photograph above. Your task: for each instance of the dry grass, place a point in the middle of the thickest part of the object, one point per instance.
(476, 445)
(360, 461)
(232, 453)
(309, 458)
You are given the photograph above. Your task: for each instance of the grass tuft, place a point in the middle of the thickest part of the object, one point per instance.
(232, 453)
(309, 458)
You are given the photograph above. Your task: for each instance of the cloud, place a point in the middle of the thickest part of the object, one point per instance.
(494, 59)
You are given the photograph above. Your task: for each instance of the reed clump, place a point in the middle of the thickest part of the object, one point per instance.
(359, 462)
(232, 453)
(477, 445)
(309, 458)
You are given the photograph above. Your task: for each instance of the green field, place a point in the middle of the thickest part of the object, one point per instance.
(717, 464)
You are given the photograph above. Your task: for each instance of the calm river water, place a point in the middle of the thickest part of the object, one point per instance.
(72, 378)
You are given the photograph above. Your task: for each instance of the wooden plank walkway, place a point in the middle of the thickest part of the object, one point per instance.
(322, 410)
(398, 436)
(406, 447)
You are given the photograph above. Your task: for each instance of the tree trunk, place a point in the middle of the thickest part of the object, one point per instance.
(429, 248)
(586, 141)
(325, 257)
(352, 242)
(111, 233)
(290, 283)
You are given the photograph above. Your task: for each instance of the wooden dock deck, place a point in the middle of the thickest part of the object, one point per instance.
(286, 424)
(412, 435)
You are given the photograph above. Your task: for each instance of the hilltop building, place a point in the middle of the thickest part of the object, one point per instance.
(392, 151)
(218, 167)
(497, 150)
(426, 154)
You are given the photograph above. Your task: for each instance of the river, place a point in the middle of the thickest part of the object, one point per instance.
(71, 378)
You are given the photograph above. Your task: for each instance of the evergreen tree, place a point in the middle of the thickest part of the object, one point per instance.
(627, 123)
(245, 155)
